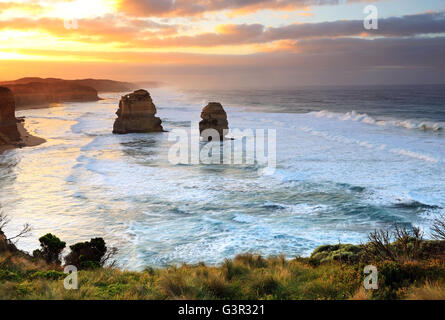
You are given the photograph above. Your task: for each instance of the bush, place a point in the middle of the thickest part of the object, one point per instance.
(87, 255)
(51, 248)
(48, 275)
(232, 270)
(398, 245)
(396, 277)
(438, 229)
(346, 253)
(6, 275)
(251, 260)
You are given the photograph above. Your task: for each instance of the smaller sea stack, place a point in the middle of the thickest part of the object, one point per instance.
(8, 122)
(136, 114)
(214, 117)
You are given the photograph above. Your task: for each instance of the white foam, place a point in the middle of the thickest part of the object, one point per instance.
(369, 145)
(119, 187)
(365, 118)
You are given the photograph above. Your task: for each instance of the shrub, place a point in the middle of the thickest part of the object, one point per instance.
(8, 275)
(232, 270)
(265, 285)
(51, 247)
(87, 255)
(48, 275)
(428, 291)
(396, 277)
(399, 245)
(216, 285)
(251, 260)
(346, 253)
(438, 229)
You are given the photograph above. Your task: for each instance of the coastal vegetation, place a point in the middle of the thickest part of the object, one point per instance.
(409, 267)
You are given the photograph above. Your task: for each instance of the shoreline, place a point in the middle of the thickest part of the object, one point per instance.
(38, 106)
(26, 140)
(48, 105)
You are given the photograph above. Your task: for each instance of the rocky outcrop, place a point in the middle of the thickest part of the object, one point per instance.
(8, 122)
(5, 244)
(12, 130)
(214, 117)
(136, 114)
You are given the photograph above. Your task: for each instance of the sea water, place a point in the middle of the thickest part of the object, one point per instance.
(349, 160)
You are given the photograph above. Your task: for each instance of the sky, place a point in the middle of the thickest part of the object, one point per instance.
(225, 43)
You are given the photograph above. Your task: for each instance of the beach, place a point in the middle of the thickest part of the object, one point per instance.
(26, 139)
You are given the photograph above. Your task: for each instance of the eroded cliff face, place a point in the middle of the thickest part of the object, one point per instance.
(213, 117)
(136, 114)
(8, 122)
(37, 93)
(100, 85)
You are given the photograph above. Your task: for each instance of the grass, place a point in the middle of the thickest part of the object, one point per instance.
(247, 276)
(408, 268)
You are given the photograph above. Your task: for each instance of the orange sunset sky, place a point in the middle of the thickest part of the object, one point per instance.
(224, 42)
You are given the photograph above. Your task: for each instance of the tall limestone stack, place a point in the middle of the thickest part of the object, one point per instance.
(214, 117)
(8, 122)
(136, 114)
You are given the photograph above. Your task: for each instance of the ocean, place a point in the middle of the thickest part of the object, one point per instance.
(348, 160)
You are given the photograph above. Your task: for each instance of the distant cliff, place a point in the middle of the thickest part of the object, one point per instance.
(38, 91)
(100, 85)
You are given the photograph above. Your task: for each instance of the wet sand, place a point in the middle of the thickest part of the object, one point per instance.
(26, 140)
(39, 106)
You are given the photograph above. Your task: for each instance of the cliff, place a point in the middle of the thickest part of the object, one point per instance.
(8, 122)
(136, 114)
(34, 91)
(37, 93)
(12, 131)
(100, 85)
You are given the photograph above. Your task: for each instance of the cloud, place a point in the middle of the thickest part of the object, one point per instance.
(126, 32)
(409, 25)
(339, 61)
(22, 6)
(341, 53)
(109, 28)
(145, 33)
(182, 8)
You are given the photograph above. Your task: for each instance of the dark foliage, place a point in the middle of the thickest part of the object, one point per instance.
(51, 248)
(90, 254)
(398, 245)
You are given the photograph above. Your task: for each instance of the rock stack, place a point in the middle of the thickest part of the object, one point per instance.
(136, 114)
(214, 117)
(8, 122)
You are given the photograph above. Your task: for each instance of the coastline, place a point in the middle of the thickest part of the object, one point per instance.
(26, 140)
(38, 106)
(47, 105)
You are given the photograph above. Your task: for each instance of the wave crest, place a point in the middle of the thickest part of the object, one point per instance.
(365, 118)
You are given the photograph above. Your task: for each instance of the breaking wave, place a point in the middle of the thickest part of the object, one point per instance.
(365, 118)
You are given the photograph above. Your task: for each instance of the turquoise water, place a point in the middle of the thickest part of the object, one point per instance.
(347, 162)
